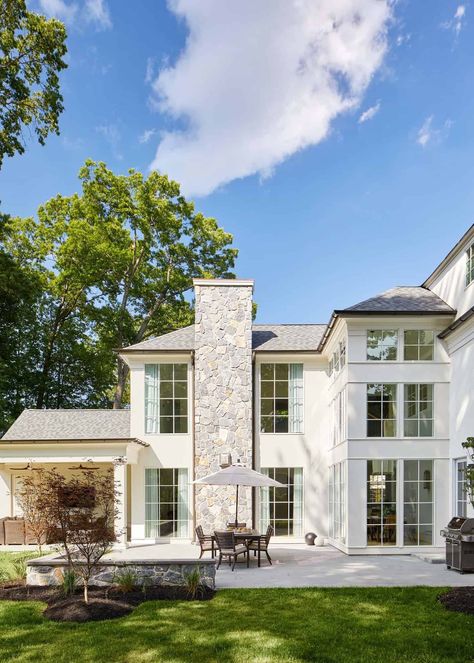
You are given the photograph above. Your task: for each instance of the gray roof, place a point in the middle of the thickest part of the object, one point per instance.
(70, 425)
(402, 299)
(265, 338)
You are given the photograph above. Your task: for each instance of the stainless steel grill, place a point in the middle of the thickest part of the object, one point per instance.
(459, 535)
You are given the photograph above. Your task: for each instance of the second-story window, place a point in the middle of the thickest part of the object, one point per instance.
(166, 398)
(381, 410)
(382, 344)
(418, 410)
(281, 398)
(418, 345)
(470, 265)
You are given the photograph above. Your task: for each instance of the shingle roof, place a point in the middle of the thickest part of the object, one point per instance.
(403, 299)
(265, 338)
(70, 425)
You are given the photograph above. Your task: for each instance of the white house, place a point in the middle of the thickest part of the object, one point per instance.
(362, 419)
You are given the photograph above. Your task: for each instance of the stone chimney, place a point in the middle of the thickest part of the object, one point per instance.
(223, 394)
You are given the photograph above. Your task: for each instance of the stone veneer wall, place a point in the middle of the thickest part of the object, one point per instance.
(223, 395)
(48, 571)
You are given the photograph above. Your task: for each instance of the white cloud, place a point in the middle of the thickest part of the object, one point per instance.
(369, 113)
(113, 137)
(429, 134)
(94, 12)
(97, 12)
(150, 69)
(457, 22)
(258, 81)
(146, 135)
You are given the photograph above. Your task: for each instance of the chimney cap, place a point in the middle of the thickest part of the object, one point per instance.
(249, 283)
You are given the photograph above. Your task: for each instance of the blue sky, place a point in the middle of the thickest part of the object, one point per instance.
(334, 139)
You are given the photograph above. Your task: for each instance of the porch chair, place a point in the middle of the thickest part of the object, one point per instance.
(264, 541)
(206, 541)
(226, 546)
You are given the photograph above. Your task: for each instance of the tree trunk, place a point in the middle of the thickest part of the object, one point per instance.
(122, 375)
(86, 591)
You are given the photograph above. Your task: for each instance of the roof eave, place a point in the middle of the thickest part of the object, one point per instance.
(85, 440)
(457, 323)
(468, 235)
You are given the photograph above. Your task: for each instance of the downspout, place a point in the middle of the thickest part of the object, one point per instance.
(193, 437)
(254, 490)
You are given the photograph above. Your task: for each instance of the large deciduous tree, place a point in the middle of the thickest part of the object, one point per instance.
(32, 50)
(120, 257)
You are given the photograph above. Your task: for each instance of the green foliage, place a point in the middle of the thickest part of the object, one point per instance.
(115, 264)
(32, 50)
(69, 583)
(469, 471)
(126, 580)
(194, 585)
(19, 568)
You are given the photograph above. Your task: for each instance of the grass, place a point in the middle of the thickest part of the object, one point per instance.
(380, 625)
(326, 625)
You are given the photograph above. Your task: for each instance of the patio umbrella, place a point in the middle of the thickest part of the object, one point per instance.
(238, 475)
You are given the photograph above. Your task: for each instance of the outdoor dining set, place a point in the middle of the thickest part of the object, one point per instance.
(229, 544)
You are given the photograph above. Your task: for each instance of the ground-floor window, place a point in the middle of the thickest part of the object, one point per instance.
(381, 502)
(337, 502)
(283, 507)
(166, 502)
(461, 492)
(418, 502)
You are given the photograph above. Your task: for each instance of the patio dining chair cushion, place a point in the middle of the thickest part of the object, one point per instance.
(238, 550)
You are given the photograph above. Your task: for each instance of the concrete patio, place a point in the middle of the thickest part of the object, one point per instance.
(296, 565)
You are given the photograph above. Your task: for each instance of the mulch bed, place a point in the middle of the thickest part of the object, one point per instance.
(104, 602)
(459, 599)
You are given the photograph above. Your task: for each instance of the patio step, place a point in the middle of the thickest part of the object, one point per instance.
(431, 558)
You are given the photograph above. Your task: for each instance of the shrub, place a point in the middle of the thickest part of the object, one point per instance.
(19, 568)
(194, 585)
(126, 580)
(69, 582)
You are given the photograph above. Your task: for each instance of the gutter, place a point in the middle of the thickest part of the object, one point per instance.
(124, 440)
(457, 323)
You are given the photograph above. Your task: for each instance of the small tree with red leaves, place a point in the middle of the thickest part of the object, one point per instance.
(34, 499)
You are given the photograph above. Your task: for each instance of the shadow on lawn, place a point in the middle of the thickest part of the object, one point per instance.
(376, 625)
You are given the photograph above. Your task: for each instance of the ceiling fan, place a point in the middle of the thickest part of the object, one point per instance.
(27, 468)
(84, 468)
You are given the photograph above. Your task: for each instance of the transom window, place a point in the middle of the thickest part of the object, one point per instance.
(381, 410)
(382, 344)
(418, 345)
(166, 502)
(418, 410)
(166, 398)
(281, 398)
(470, 265)
(381, 502)
(461, 492)
(283, 507)
(418, 502)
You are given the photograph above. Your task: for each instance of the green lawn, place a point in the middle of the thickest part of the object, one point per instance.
(365, 625)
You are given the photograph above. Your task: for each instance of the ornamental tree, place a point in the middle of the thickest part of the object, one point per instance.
(469, 471)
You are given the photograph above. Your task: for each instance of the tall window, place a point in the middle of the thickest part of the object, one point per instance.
(418, 502)
(470, 265)
(342, 352)
(337, 502)
(461, 492)
(418, 345)
(281, 398)
(418, 410)
(381, 502)
(283, 507)
(166, 398)
(166, 502)
(381, 410)
(382, 344)
(339, 417)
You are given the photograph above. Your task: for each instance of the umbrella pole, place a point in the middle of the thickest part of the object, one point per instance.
(237, 506)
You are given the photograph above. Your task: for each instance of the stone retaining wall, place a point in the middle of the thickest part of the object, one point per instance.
(49, 570)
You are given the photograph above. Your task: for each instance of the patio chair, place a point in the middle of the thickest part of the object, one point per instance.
(264, 541)
(206, 541)
(226, 546)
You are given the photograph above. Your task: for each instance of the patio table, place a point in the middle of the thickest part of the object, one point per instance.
(253, 535)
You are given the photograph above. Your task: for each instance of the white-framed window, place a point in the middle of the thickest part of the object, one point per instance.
(166, 502)
(337, 502)
(283, 507)
(281, 398)
(418, 502)
(418, 410)
(339, 417)
(331, 366)
(461, 492)
(381, 502)
(470, 265)
(382, 344)
(342, 352)
(336, 360)
(381, 410)
(418, 345)
(166, 398)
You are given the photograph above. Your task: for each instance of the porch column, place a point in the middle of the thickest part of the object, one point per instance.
(120, 478)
